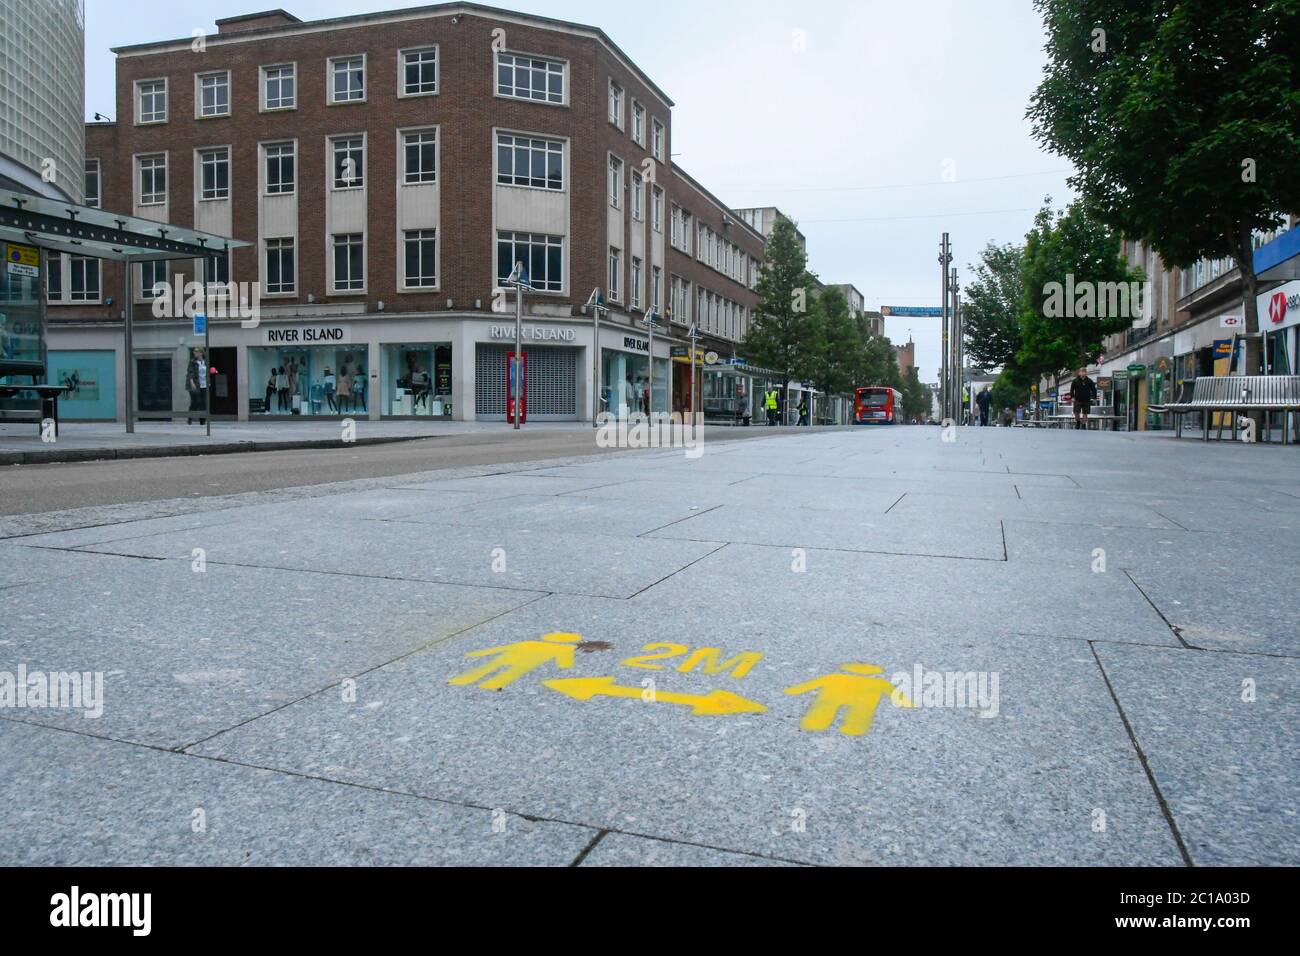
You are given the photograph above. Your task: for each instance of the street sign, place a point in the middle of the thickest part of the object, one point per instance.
(23, 261)
(200, 325)
(710, 358)
(911, 311)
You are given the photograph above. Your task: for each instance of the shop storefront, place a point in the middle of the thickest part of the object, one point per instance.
(555, 356)
(625, 374)
(416, 380)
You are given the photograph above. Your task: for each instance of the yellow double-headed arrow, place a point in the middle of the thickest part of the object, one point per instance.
(715, 703)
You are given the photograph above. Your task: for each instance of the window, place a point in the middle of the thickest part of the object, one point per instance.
(348, 79)
(280, 168)
(349, 162)
(530, 78)
(687, 232)
(281, 275)
(657, 140)
(349, 263)
(527, 161)
(681, 300)
(657, 209)
(615, 182)
(54, 278)
(542, 255)
(214, 94)
(84, 279)
(421, 157)
(638, 124)
(92, 183)
(153, 179)
(216, 269)
(280, 87)
(638, 195)
(214, 173)
(656, 280)
(635, 290)
(421, 259)
(420, 71)
(153, 279)
(615, 272)
(151, 101)
(616, 104)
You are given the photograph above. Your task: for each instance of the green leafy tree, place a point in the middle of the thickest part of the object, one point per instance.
(836, 344)
(991, 307)
(779, 337)
(1070, 260)
(1009, 391)
(1182, 118)
(916, 396)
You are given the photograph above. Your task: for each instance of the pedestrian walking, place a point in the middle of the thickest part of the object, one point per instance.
(1083, 393)
(985, 402)
(771, 405)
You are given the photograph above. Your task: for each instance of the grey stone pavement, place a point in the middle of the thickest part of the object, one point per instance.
(359, 673)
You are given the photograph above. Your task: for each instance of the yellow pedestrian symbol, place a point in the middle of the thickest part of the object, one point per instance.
(513, 661)
(857, 691)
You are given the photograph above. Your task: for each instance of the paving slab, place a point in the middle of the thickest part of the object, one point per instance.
(70, 800)
(623, 850)
(494, 558)
(23, 566)
(965, 536)
(1228, 767)
(184, 655)
(1020, 787)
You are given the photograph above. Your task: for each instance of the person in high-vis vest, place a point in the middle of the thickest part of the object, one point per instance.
(771, 403)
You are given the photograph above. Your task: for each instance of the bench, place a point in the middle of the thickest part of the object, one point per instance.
(49, 410)
(1236, 393)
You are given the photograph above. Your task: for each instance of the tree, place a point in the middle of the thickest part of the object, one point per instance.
(1182, 119)
(778, 338)
(1009, 391)
(916, 396)
(991, 307)
(835, 344)
(1070, 260)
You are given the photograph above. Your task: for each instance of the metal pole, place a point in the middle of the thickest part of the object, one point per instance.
(691, 348)
(207, 369)
(953, 367)
(519, 337)
(595, 364)
(128, 378)
(650, 377)
(944, 258)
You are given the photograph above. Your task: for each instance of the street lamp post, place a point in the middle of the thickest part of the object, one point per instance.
(651, 319)
(945, 258)
(518, 279)
(596, 303)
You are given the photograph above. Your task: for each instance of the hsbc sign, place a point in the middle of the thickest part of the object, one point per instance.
(1281, 307)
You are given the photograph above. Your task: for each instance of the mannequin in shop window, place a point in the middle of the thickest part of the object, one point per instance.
(293, 381)
(329, 391)
(271, 388)
(345, 388)
(282, 388)
(359, 383)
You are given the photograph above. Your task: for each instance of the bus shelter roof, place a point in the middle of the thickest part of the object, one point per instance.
(88, 231)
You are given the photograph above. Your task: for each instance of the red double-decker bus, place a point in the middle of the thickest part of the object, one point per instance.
(877, 405)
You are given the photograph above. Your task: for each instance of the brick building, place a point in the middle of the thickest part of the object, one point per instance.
(389, 169)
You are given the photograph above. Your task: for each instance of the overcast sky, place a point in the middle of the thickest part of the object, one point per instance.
(876, 125)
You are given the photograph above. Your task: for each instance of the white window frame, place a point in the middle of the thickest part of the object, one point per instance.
(656, 290)
(199, 156)
(638, 123)
(420, 237)
(331, 153)
(658, 136)
(68, 295)
(265, 157)
(638, 196)
(200, 108)
(139, 101)
(657, 208)
(615, 177)
(617, 102)
(634, 284)
(264, 79)
(330, 98)
(402, 92)
(144, 292)
(334, 274)
(292, 246)
(515, 136)
(99, 182)
(615, 274)
(549, 241)
(549, 61)
(405, 170)
(139, 179)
